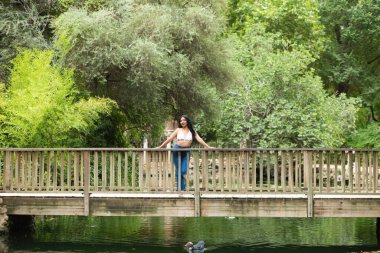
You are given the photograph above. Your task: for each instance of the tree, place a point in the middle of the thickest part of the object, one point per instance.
(281, 102)
(42, 108)
(167, 64)
(351, 62)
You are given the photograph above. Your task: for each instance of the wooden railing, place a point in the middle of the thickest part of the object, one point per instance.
(210, 170)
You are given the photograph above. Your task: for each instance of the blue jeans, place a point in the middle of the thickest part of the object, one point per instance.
(184, 156)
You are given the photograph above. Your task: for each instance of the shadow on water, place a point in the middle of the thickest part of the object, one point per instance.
(168, 234)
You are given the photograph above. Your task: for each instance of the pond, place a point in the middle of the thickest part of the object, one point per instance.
(169, 234)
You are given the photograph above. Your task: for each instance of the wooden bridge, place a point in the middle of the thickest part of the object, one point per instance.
(220, 182)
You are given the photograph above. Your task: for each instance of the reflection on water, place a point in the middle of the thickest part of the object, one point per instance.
(168, 234)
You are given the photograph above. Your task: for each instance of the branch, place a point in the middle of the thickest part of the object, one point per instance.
(374, 59)
(373, 114)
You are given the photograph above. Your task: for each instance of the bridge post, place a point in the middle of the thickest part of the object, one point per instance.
(308, 169)
(86, 203)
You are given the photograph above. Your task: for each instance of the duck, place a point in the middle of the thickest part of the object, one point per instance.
(199, 247)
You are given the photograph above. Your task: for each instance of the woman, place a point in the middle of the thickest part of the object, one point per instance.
(185, 134)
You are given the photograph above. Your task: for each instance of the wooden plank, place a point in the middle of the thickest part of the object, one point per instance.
(142, 207)
(245, 207)
(346, 207)
(44, 206)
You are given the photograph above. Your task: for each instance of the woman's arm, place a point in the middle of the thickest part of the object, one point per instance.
(169, 139)
(201, 141)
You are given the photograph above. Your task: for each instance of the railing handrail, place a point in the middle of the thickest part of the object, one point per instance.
(194, 149)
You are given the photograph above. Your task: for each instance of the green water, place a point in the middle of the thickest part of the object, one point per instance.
(158, 234)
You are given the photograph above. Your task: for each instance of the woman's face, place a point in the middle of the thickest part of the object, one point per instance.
(183, 122)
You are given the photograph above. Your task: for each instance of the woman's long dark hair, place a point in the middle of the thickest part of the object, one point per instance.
(189, 124)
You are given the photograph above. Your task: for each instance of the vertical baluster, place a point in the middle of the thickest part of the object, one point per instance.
(126, 171)
(55, 171)
(315, 169)
(104, 170)
(336, 171)
(276, 171)
(205, 170)
(254, 168)
(159, 170)
(118, 171)
(233, 171)
(357, 171)
(283, 168)
(221, 171)
(320, 171)
(35, 170)
(328, 171)
(261, 170)
(214, 186)
(343, 165)
(366, 170)
(42, 170)
(112, 170)
(48, 169)
(62, 170)
(76, 170)
(375, 171)
(246, 170)
(17, 171)
(69, 170)
(290, 172)
(350, 171)
(151, 168)
(268, 170)
(133, 171)
(96, 170)
(141, 171)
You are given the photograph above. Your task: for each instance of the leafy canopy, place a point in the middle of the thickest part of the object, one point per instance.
(155, 58)
(41, 107)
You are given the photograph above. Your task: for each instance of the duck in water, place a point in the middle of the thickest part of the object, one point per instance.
(199, 247)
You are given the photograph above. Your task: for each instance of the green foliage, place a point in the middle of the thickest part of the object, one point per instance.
(368, 137)
(351, 62)
(280, 102)
(295, 22)
(153, 67)
(41, 107)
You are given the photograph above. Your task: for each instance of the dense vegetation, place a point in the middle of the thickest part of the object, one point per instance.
(274, 73)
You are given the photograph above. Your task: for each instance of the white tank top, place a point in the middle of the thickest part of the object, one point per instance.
(182, 137)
